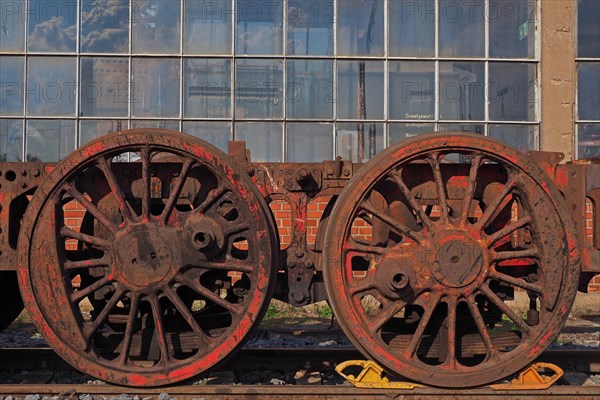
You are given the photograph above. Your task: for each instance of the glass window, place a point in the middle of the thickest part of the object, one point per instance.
(462, 90)
(512, 91)
(473, 128)
(51, 86)
(351, 86)
(52, 25)
(588, 140)
(258, 92)
(310, 27)
(207, 88)
(309, 89)
(216, 133)
(12, 28)
(207, 27)
(11, 140)
(309, 142)
(155, 25)
(93, 129)
(412, 90)
(360, 27)
(153, 123)
(351, 148)
(588, 90)
(588, 28)
(155, 87)
(105, 26)
(512, 28)
(50, 140)
(521, 137)
(263, 139)
(104, 87)
(259, 27)
(461, 32)
(401, 131)
(11, 85)
(412, 28)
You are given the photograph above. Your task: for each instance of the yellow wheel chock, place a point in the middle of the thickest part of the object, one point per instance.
(530, 378)
(371, 377)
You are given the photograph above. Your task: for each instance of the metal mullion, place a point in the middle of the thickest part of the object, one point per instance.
(486, 72)
(436, 40)
(386, 71)
(283, 90)
(181, 64)
(25, 83)
(233, 58)
(335, 79)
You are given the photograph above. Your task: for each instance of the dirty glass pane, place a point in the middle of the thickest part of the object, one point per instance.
(309, 89)
(588, 28)
(153, 123)
(207, 88)
(11, 140)
(263, 139)
(51, 86)
(348, 83)
(52, 25)
(155, 87)
(207, 27)
(512, 91)
(588, 141)
(259, 87)
(104, 26)
(400, 131)
(462, 90)
(461, 32)
(50, 140)
(155, 25)
(11, 85)
(310, 27)
(92, 129)
(588, 90)
(512, 28)
(12, 28)
(347, 140)
(412, 28)
(215, 133)
(104, 86)
(259, 27)
(521, 137)
(473, 128)
(360, 27)
(309, 142)
(412, 90)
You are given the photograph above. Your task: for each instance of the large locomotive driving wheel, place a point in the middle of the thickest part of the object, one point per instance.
(431, 240)
(173, 261)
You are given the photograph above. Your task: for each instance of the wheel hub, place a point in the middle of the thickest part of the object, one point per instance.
(458, 262)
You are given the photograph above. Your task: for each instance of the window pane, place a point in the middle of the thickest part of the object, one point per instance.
(347, 140)
(105, 26)
(360, 27)
(207, 27)
(512, 28)
(512, 92)
(207, 88)
(473, 128)
(588, 28)
(309, 142)
(11, 85)
(215, 133)
(92, 129)
(52, 25)
(50, 140)
(155, 87)
(104, 86)
(588, 90)
(11, 140)
(588, 141)
(258, 89)
(412, 90)
(263, 139)
(309, 89)
(348, 83)
(51, 86)
(12, 32)
(412, 28)
(462, 90)
(155, 26)
(400, 132)
(461, 32)
(259, 27)
(310, 27)
(521, 137)
(152, 123)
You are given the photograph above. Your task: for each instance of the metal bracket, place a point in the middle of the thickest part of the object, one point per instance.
(371, 377)
(530, 378)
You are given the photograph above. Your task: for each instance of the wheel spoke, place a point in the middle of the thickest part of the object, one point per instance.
(230, 265)
(101, 318)
(483, 331)
(235, 229)
(492, 208)
(354, 245)
(90, 207)
(212, 197)
(386, 314)
(129, 329)
(172, 201)
(184, 311)
(80, 294)
(518, 321)
(507, 230)
(516, 254)
(204, 292)
(471, 185)
(146, 184)
(82, 237)
(91, 263)
(451, 333)
(392, 223)
(434, 162)
(396, 176)
(159, 326)
(518, 282)
(360, 286)
(423, 322)
(124, 207)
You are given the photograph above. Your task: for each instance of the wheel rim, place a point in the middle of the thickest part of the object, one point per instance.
(175, 258)
(422, 291)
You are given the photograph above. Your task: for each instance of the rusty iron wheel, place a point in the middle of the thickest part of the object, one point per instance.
(171, 269)
(431, 239)
(10, 299)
